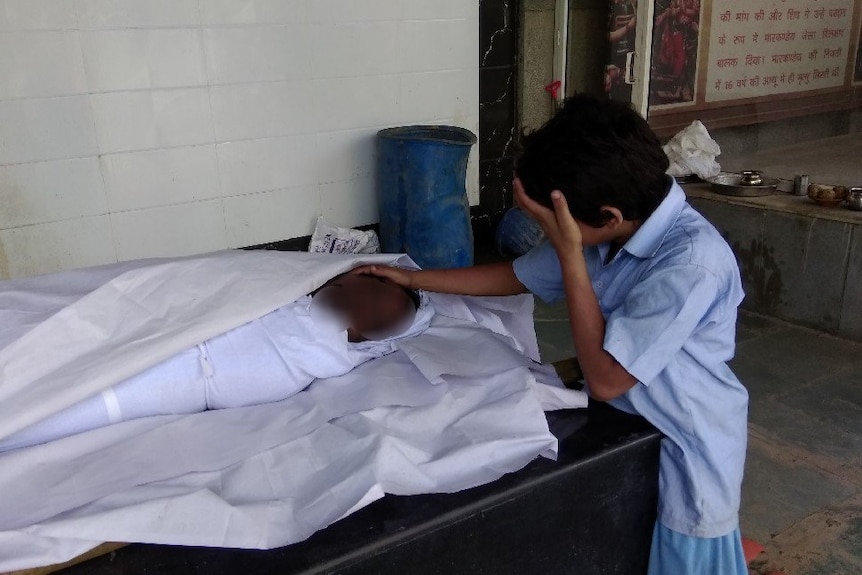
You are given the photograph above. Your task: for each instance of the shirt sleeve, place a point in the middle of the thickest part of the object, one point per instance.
(659, 315)
(539, 271)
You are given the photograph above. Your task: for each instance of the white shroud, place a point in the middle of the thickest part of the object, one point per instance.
(456, 407)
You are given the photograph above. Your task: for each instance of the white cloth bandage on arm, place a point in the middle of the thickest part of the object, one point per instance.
(175, 386)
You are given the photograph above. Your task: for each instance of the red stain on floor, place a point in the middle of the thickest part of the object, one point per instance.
(751, 549)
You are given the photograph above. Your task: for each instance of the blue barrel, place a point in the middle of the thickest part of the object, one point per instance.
(424, 211)
(517, 233)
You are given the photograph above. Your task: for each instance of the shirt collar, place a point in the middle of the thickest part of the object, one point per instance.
(649, 237)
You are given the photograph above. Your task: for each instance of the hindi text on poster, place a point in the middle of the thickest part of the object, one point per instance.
(768, 47)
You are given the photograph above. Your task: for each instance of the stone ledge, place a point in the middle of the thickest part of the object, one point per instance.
(779, 202)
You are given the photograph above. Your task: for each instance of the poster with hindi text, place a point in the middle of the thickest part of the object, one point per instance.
(764, 47)
(753, 61)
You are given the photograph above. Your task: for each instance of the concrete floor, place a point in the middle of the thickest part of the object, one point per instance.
(802, 493)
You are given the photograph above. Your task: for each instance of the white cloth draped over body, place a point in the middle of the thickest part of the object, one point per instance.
(454, 407)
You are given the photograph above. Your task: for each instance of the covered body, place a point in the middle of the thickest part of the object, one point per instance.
(427, 418)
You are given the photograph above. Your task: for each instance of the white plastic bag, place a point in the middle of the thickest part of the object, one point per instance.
(693, 151)
(331, 239)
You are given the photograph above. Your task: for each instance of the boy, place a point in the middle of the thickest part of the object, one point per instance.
(652, 291)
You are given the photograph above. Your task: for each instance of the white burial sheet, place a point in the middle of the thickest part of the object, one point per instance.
(457, 406)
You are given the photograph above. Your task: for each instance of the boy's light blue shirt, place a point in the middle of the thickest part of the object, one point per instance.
(669, 298)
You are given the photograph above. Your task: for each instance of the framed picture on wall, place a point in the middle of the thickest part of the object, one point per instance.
(729, 63)
(675, 44)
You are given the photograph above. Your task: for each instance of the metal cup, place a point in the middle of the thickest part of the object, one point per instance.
(854, 199)
(800, 184)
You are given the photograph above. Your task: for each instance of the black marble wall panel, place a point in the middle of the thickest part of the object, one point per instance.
(498, 56)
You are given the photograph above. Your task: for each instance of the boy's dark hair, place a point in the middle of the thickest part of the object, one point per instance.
(596, 152)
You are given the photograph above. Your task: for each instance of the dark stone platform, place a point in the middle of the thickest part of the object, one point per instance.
(592, 511)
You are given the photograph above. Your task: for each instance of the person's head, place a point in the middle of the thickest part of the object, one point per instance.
(371, 306)
(603, 157)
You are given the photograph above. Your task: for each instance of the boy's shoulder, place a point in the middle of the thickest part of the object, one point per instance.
(693, 241)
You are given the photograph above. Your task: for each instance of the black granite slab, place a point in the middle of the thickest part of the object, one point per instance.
(498, 73)
(592, 511)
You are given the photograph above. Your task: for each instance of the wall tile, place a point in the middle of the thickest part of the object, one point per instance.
(263, 110)
(257, 54)
(46, 129)
(135, 59)
(497, 111)
(438, 45)
(850, 324)
(742, 229)
(179, 230)
(271, 216)
(136, 14)
(353, 11)
(266, 164)
(355, 49)
(137, 180)
(204, 123)
(345, 155)
(43, 248)
(40, 63)
(496, 184)
(37, 14)
(50, 191)
(439, 9)
(216, 12)
(350, 203)
(427, 95)
(344, 103)
(807, 252)
(498, 34)
(151, 119)
(473, 169)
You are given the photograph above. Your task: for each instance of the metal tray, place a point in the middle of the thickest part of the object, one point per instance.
(730, 184)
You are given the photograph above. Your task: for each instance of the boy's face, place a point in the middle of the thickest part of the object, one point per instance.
(591, 236)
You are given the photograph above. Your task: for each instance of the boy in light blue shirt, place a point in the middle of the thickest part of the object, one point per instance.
(652, 292)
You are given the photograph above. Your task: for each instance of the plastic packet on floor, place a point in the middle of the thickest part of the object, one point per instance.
(331, 239)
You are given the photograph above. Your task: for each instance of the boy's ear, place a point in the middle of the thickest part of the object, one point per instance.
(614, 217)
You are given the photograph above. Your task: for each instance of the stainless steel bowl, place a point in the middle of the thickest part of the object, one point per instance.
(734, 185)
(854, 199)
(751, 178)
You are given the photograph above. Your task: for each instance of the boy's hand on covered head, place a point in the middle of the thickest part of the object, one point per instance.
(558, 224)
(399, 276)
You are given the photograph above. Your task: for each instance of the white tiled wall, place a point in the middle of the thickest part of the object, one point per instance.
(137, 128)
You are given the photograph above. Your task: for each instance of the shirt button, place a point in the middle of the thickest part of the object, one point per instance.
(599, 284)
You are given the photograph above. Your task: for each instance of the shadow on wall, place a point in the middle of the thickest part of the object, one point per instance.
(761, 274)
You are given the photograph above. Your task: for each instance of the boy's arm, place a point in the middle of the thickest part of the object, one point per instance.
(496, 279)
(607, 379)
(605, 376)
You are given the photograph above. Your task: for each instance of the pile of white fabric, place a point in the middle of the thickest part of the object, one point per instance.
(428, 418)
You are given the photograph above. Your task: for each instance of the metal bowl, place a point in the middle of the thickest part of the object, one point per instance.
(730, 184)
(751, 178)
(854, 199)
(824, 203)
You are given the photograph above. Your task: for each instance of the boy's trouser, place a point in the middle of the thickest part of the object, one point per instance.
(674, 553)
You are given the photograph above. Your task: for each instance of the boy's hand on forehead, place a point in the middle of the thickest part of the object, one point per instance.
(558, 224)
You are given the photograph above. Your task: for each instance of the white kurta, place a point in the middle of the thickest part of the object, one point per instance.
(266, 360)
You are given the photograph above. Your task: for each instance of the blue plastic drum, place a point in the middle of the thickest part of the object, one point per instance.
(517, 233)
(423, 196)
